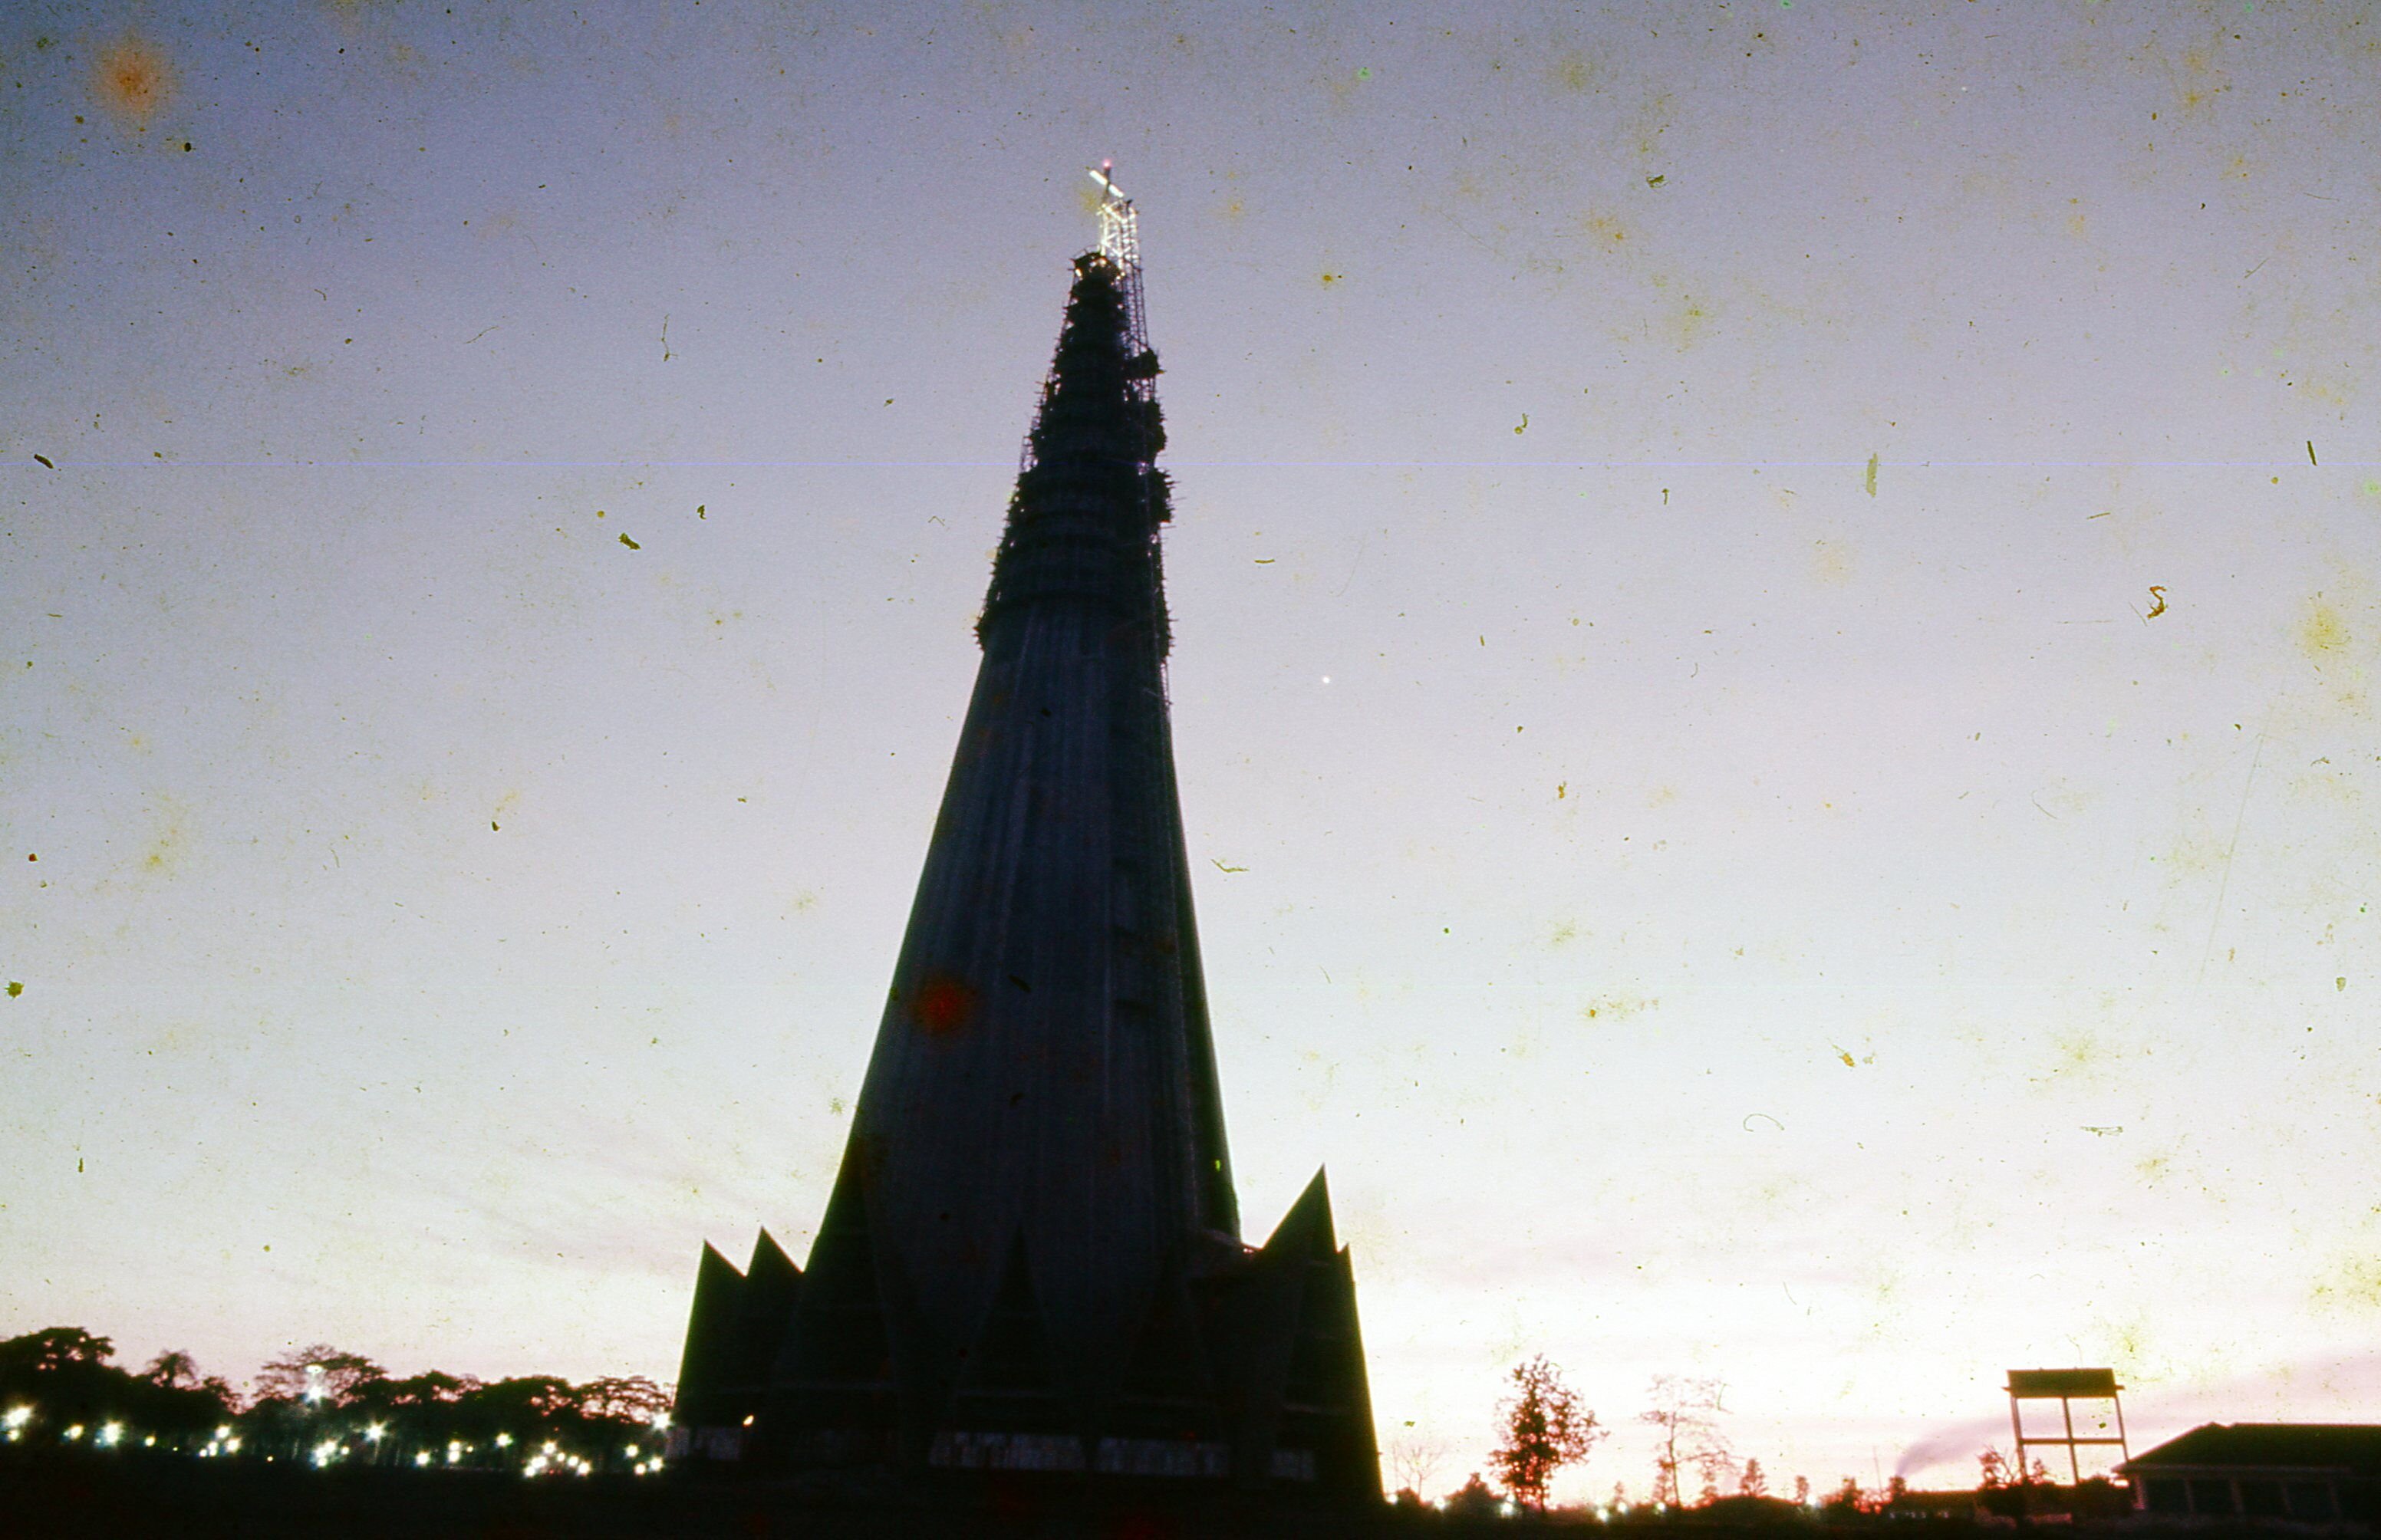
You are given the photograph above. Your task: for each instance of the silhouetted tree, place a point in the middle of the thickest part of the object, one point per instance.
(1753, 1483)
(428, 1387)
(526, 1407)
(1414, 1458)
(327, 1405)
(1683, 1410)
(1545, 1429)
(63, 1375)
(172, 1369)
(631, 1400)
(1993, 1471)
(177, 1406)
(1474, 1500)
(1802, 1491)
(400, 1417)
(53, 1349)
(320, 1375)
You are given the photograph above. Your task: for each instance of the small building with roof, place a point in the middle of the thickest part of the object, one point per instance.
(2312, 1472)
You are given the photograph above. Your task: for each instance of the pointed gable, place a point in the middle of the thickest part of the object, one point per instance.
(764, 1311)
(1004, 1379)
(710, 1356)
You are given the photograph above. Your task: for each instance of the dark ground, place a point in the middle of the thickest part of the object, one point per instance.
(134, 1496)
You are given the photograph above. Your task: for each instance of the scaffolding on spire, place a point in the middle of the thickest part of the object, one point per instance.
(1120, 243)
(1119, 248)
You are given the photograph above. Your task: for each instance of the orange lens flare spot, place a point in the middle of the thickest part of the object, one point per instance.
(942, 1006)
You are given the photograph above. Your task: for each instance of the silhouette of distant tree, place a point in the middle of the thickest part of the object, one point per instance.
(320, 1375)
(174, 1403)
(1753, 1482)
(53, 1349)
(1414, 1458)
(1474, 1500)
(172, 1369)
(1545, 1429)
(631, 1400)
(63, 1375)
(324, 1405)
(429, 1389)
(1993, 1470)
(529, 1398)
(1684, 1410)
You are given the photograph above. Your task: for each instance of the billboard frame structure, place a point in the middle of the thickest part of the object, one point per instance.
(2066, 1386)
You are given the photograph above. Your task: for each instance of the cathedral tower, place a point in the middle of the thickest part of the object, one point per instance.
(1031, 1258)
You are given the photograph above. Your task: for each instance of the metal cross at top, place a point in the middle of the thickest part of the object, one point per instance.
(1119, 227)
(1120, 243)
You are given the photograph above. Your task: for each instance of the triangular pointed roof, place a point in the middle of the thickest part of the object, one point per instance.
(1306, 1228)
(708, 1363)
(770, 1263)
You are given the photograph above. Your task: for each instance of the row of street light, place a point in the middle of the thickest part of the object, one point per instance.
(549, 1458)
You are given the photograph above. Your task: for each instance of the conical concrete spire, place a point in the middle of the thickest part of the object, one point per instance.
(1031, 1258)
(1042, 1073)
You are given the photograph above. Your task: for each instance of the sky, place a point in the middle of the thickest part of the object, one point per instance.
(1775, 606)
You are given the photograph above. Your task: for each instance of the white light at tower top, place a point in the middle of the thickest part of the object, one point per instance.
(1119, 225)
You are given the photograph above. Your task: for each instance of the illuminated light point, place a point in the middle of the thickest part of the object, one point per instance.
(422, 1459)
(504, 1440)
(75, 1432)
(374, 1433)
(16, 1417)
(109, 1434)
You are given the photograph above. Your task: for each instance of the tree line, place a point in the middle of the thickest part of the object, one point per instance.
(1545, 1428)
(323, 1406)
